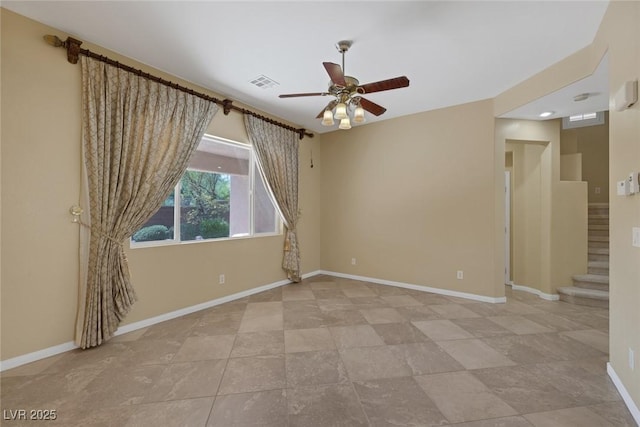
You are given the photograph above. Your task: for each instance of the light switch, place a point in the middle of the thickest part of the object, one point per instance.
(633, 183)
(623, 188)
(635, 241)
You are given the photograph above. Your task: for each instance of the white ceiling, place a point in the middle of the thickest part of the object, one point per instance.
(562, 104)
(453, 52)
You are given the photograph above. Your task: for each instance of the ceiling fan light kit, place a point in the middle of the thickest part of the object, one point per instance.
(341, 111)
(358, 115)
(327, 118)
(348, 94)
(345, 124)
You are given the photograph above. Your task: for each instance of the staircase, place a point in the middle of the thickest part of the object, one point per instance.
(592, 289)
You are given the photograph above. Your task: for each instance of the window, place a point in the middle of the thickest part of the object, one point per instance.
(221, 195)
(583, 120)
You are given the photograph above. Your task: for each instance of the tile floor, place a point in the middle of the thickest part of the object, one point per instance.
(338, 352)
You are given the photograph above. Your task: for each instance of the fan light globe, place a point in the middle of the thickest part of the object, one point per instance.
(345, 124)
(341, 111)
(358, 115)
(327, 118)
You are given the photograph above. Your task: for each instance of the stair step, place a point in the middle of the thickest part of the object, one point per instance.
(592, 289)
(598, 227)
(599, 264)
(585, 293)
(591, 281)
(598, 245)
(598, 267)
(598, 254)
(598, 257)
(581, 296)
(591, 278)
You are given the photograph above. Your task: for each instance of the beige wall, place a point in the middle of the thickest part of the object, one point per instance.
(40, 181)
(549, 222)
(571, 167)
(592, 143)
(619, 34)
(568, 232)
(412, 200)
(621, 31)
(526, 218)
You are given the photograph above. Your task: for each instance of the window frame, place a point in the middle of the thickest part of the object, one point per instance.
(177, 205)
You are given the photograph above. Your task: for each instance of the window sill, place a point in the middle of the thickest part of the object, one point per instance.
(162, 243)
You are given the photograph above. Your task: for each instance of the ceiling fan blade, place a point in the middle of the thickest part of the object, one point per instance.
(389, 84)
(329, 106)
(372, 107)
(335, 73)
(295, 95)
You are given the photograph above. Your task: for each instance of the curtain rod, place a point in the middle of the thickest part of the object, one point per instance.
(74, 50)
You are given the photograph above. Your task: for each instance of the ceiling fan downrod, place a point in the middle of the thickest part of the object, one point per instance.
(343, 46)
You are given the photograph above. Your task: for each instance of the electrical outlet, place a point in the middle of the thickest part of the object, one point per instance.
(597, 190)
(632, 361)
(221, 279)
(460, 275)
(353, 261)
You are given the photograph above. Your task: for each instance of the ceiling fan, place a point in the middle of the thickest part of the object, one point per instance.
(348, 93)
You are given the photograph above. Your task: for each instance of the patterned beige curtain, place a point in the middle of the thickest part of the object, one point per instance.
(137, 138)
(277, 155)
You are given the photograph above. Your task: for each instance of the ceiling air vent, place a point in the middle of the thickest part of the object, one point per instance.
(264, 82)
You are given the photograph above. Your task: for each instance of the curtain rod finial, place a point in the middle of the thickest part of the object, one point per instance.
(72, 45)
(53, 40)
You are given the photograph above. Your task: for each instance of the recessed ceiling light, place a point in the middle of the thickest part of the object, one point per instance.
(546, 114)
(581, 97)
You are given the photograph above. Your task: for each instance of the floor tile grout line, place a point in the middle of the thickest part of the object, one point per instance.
(570, 316)
(224, 370)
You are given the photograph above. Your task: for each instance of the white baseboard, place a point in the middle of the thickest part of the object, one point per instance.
(36, 355)
(61, 348)
(631, 405)
(192, 309)
(447, 292)
(548, 297)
